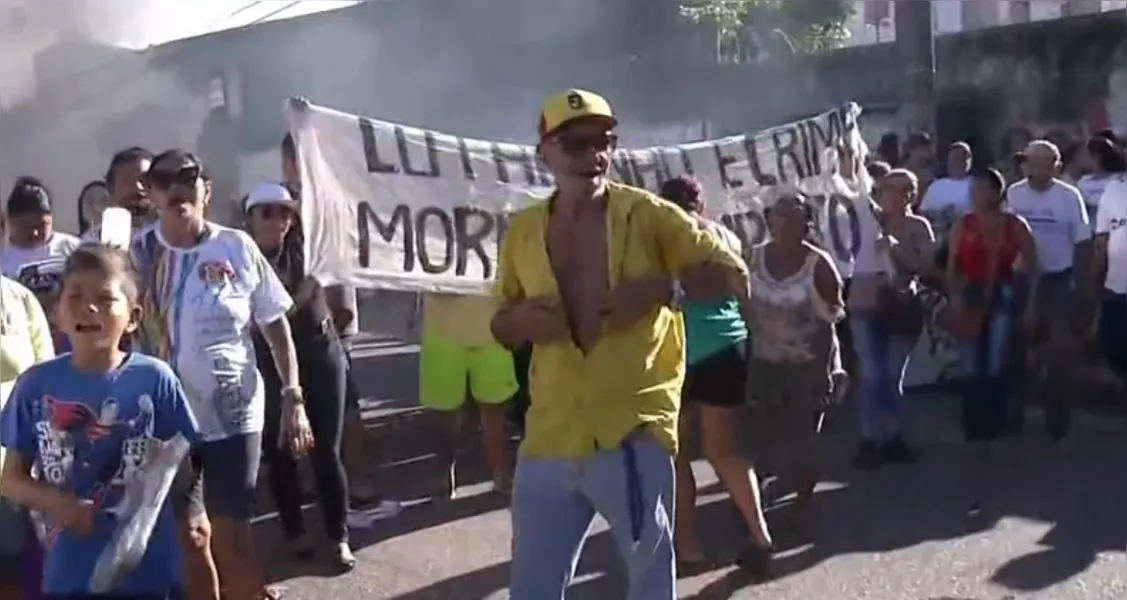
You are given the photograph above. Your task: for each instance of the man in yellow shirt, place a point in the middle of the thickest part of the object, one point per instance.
(592, 278)
(457, 349)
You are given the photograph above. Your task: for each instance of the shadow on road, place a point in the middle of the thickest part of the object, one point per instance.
(401, 440)
(1083, 499)
(897, 507)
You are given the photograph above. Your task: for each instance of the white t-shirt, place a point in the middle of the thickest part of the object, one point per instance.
(200, 304)
(1111, 219)
(946, 193)
(1057, 218)
(59, 245)
(1091, 189)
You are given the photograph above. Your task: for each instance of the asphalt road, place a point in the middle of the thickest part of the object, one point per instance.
(1055, 527)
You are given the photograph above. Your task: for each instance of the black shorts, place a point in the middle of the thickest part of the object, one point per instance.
(220, 479)
(718, 380)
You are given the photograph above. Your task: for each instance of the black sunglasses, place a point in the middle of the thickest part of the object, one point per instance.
(163, 180)
(577, 144)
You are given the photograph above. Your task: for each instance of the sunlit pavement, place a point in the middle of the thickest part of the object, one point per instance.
(1056, 526)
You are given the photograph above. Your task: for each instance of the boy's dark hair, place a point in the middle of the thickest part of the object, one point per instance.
(125, 157)
(109, 261)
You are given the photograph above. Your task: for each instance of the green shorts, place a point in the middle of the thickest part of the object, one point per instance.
(446, 367)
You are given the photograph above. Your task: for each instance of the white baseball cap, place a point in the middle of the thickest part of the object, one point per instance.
(269, 193)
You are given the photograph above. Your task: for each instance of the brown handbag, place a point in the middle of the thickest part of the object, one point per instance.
(900, 310)
(967, 322)
(899, 307)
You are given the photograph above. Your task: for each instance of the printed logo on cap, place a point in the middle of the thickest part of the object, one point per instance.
(575, 101)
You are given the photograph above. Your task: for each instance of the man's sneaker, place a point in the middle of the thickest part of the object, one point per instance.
(868, 457)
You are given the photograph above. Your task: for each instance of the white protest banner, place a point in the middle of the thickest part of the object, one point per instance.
(395, 207)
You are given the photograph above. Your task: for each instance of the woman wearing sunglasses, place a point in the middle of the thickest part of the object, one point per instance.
(794, 302)
(204, 287)
(887, 314)
(272, 222)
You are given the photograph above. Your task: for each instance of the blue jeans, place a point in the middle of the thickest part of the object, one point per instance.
(881, 359)
(556, 499)
(1058, 350)
(983, 363)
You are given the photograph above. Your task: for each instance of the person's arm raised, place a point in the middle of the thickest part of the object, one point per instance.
(707, 269)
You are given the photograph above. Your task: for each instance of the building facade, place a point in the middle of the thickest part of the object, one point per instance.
(874, 20)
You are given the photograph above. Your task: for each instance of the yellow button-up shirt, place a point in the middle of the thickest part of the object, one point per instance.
(631, 378)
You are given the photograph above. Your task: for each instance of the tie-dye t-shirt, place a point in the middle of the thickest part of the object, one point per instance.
(199, 305)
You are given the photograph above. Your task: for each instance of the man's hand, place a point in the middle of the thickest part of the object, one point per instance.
(631, 300)
(299, 103)
(71, 512)
(710, 281)
(538, 320)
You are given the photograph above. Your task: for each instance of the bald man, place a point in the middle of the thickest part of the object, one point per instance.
(1055, 212)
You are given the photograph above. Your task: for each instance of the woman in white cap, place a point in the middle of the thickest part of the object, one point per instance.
(271, 219)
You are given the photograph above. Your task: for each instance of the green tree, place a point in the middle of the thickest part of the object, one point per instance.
(762, 29)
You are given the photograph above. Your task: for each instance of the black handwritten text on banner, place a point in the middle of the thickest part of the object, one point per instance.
(391, 206)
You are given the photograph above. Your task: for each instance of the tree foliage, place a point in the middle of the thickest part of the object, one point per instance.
(762, 29)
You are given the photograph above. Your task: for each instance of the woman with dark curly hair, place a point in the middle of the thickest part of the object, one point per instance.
(795, 302)
(715, 357)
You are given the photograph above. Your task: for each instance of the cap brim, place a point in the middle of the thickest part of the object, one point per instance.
(272, 202)
(610, 120)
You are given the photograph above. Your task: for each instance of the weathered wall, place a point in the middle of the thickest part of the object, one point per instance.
(444, 66)
(1027, 78)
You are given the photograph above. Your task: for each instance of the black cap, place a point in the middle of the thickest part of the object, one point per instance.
(181, 159)
(29, 196)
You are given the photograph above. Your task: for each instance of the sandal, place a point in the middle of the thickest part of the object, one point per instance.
(756, 561)
(694, 565)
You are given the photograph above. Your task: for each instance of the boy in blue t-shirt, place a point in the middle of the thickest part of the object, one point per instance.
(86, 423)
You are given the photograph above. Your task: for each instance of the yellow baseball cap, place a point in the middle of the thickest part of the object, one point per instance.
(570, 105)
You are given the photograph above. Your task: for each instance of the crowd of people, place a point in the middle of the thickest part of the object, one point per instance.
(622, 325)
(190, 329)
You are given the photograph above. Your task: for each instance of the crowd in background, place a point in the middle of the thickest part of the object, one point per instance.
(249, 337)
(1025, 267)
